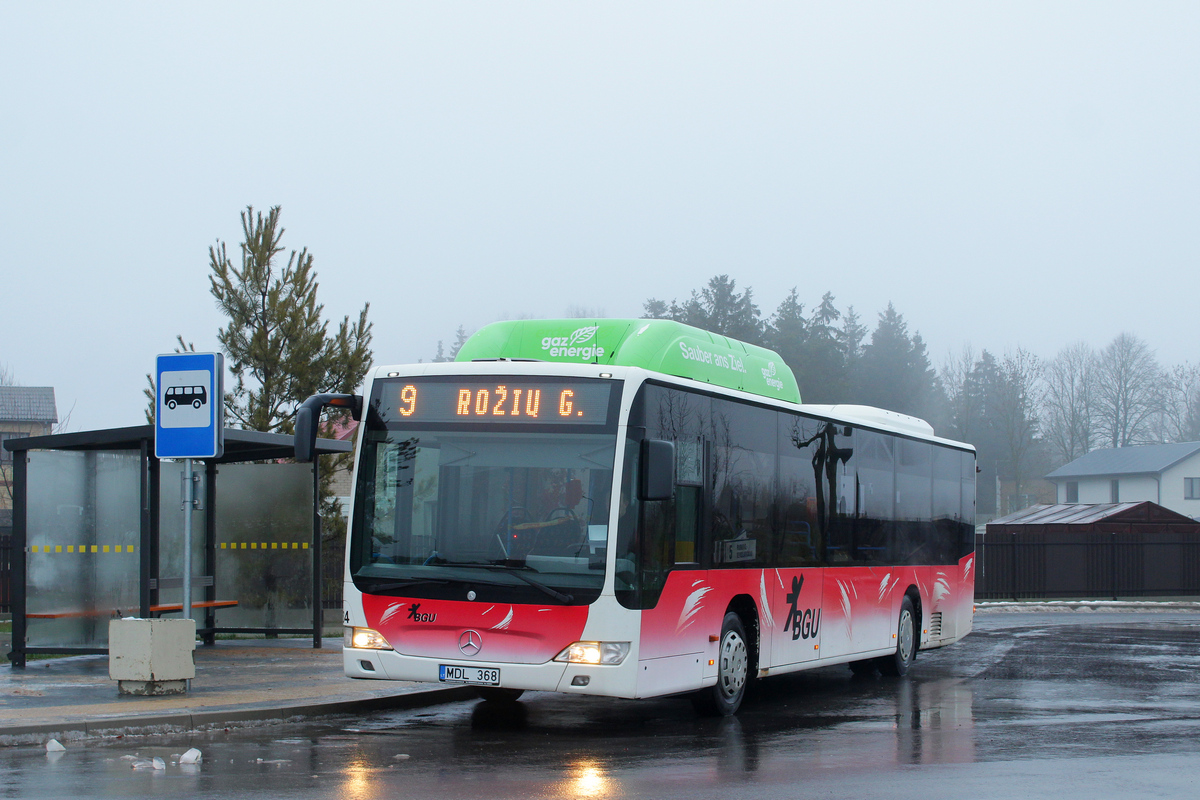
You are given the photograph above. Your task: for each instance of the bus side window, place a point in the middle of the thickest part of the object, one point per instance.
(645, 539)
(801, 540)
(743, 484)
(687, 524)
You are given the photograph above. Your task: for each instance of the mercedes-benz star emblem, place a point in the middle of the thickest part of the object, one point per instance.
(470, 643)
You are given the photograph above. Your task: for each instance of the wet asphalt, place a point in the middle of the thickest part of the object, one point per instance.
(1083, 705)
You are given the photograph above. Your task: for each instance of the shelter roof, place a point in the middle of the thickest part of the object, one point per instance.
(1140, 460)
(240, 445)
(27, 404)
(1088, 513)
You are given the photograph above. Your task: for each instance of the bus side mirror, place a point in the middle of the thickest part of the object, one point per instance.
(658, 470)
(308, 419)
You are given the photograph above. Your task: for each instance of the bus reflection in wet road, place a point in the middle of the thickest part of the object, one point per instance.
(1062, 706)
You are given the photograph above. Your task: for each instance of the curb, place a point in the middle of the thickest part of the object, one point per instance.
(188, 721)
(1086, 606)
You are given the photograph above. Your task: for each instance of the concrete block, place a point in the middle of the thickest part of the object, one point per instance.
(151, 656)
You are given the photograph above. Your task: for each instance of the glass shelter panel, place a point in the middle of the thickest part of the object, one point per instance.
(264, 530)
(170, 533)
(84, 530)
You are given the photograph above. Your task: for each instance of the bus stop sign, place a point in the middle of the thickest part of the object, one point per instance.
(188, 411)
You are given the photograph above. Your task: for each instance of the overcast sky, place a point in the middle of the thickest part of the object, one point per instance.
(1008, 174)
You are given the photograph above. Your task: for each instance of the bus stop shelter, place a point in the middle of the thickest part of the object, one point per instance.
(98, 534)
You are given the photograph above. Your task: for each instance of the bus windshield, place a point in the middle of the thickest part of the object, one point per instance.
(492, 515)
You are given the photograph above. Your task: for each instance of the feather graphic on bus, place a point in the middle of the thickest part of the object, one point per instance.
(883, 585)
(941, 588)
(691, 606)
(846, 607)
(967, 567)
(392, 610)
(503, 624)
(762, 596)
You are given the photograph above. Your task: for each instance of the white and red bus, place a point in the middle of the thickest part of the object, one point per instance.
(636, 508)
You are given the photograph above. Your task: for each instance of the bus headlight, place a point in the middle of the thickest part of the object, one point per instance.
(594, 653)
(364, 639)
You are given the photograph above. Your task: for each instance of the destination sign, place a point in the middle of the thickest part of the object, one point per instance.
(554, 401)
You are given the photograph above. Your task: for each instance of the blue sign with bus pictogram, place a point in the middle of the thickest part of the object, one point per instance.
(188, 409)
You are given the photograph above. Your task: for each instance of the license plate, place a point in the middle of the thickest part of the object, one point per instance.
(476, 676)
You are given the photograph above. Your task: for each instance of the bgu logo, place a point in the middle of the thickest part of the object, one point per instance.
(570, 345)
(804, 624)
(415, 614)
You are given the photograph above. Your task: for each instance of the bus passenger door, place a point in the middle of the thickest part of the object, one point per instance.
(676, 617)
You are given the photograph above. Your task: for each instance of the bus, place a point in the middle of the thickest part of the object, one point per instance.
(639, 508)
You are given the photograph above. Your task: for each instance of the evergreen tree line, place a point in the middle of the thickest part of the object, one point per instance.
(1025, 415)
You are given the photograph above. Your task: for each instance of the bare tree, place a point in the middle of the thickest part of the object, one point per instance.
(6, 376)
(1069, 402)
(964, 401)
(575, 311)
(1179, 418)
(1128, 391)
(1013, 410)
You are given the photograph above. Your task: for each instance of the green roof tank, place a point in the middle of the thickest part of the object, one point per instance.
(658, 345)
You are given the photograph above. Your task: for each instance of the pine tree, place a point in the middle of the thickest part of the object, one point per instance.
(655, 309)
(895, 371)
(277, 346)
(787, 331)
(824, 360)
(460, 338)
(718, 307)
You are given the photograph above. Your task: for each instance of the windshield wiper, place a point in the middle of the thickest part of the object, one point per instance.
(566, 599)
(514, 570)
(404, 584)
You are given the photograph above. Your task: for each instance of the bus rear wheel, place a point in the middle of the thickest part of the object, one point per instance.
(897, 663)
(733, 670)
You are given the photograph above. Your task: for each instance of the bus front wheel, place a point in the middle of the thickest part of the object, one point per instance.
(733, 670)
(897, 663)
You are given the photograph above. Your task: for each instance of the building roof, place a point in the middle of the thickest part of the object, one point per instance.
(27, 404)
(1087, 513)
(1141, 460)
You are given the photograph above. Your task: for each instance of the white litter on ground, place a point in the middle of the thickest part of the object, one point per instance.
(192, 756)
(53, 746)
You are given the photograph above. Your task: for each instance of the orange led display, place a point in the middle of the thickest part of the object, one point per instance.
(408, 398)
(580, 402)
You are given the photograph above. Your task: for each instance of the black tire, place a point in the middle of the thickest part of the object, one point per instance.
(171, 404)
(865, 668)
(196, 404)
(733, 672)
(897, 663)
(494, 694)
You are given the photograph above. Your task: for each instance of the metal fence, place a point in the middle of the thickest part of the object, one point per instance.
(1106, 562)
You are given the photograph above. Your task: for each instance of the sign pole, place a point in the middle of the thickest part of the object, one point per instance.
(189, 502)
(189, 424)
